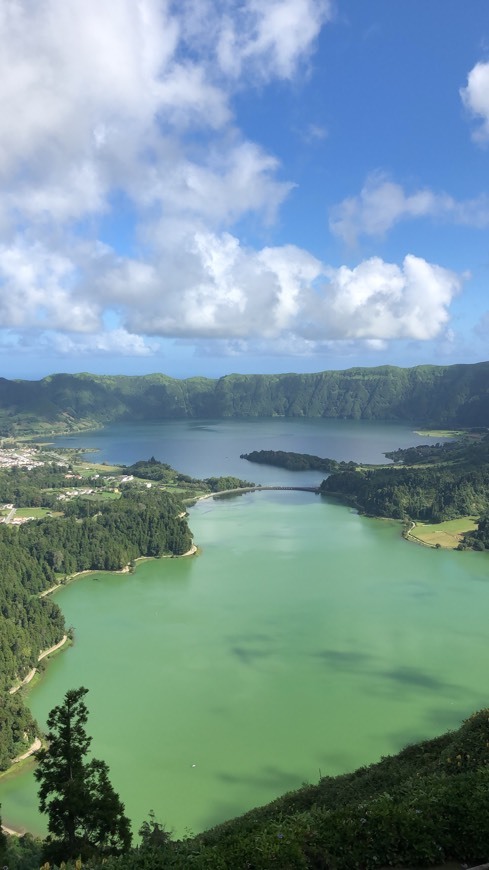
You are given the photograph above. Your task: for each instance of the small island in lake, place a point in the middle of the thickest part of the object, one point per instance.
(297, 461)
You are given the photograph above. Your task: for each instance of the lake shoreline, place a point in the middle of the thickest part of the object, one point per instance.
(209, 470)
(408, 525)
(17, 766)
(263, 534)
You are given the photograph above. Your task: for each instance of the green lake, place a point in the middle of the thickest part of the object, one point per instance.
(303, 640)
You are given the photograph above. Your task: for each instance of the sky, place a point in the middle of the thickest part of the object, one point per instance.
(200, 187)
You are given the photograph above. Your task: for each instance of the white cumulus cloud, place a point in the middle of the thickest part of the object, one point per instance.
(210, 286)
(132, 102)
(383, 203)
(204, 285)
(111, 342)
(111, 95)
(38, 289)
(265, 39)
(382, 301)
(475, 97)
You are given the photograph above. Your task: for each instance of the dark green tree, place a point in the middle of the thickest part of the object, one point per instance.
(109, 828)
(86, 816)
(3, 841)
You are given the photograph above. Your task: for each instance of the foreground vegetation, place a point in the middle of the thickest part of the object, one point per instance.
(435, 396)
(424, 806)
(85, 815)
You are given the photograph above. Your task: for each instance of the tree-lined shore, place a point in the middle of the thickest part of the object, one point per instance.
(34, 555)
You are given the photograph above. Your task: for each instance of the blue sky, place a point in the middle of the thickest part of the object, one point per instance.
(214, 186)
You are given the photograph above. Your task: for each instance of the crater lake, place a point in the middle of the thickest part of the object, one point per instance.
(303, 640)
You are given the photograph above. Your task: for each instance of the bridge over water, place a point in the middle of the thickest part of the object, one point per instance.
(259, 488)
(296, 488)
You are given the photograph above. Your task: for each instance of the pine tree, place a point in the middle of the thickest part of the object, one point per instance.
(109, 828)
(86, 816)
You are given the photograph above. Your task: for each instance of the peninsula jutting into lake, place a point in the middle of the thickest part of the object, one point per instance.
(226, 654)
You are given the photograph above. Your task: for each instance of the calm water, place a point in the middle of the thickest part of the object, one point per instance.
(304, 639)
(205, 449)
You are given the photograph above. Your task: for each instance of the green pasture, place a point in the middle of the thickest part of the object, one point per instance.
(447, 534)
(36, 512)
(441, 433)
(90, 468)
(103, 495)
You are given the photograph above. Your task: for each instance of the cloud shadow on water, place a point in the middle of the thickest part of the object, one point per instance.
(448, 718)
(397, 740)
(343, 660)
(441, 718)
(252, 637)
(417, 678)
(334, 763)
(269, 777)
(248, 656)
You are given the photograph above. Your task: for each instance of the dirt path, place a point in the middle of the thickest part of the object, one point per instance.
(42, 655)
(53, 648)
(24, 682)
(32, 748)
(48, 591)
(191, 552)
(11, 832)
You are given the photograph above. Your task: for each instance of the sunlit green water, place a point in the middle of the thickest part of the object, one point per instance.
(303, 639)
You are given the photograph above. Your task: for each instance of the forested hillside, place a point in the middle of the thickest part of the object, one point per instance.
(28, 624)
(433, 395)
(38, 554)
(440, 483)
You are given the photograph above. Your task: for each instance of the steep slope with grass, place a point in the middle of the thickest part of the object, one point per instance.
(425, 806)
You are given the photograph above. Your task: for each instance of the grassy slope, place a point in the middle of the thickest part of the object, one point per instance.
(447, 535)
(423, 807)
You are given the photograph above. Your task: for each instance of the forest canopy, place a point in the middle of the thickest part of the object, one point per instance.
(432, 395)
(443, 484)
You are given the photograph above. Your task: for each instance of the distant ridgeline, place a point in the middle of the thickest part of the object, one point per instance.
(433, 395)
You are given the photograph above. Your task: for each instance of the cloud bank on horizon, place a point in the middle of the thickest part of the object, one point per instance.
(275, 181)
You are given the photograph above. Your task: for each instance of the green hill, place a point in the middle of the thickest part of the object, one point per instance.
(432, 395)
